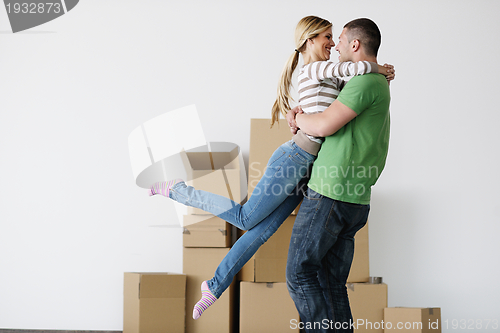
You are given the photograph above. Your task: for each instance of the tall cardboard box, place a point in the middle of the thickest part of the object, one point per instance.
(216, 168)
(154, 302)
(206, 231)
(268, 264)
(266, 307)
(368, 302)
(416, 320)
(264, 140)
(199, 264)
(360, 268)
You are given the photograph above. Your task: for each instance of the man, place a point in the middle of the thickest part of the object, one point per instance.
(336, 206)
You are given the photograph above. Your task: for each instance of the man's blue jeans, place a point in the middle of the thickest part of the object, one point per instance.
(319, 260)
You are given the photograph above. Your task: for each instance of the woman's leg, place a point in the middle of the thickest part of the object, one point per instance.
(287, 166)
(246, 246)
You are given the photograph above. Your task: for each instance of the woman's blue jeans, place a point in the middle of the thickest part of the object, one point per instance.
(246, 246)
(319, 260)
(286, 167)
(274, 198)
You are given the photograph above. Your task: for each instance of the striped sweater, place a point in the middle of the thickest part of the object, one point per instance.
(320, 83)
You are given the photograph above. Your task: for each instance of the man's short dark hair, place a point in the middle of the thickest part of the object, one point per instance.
(367, 32)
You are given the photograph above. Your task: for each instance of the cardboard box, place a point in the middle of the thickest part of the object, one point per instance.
(368, 302)
(268, 264)
(199, 264)
(154, 302)
(216, 168)
(266, 307)
(263, 142)
(417, 320)
(360, 268)
(206, 231)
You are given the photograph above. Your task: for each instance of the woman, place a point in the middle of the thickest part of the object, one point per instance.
(318, 86)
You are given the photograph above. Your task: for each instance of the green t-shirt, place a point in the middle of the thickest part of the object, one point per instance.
(351, 160)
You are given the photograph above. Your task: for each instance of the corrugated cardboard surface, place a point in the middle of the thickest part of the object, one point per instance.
(199, 264)
(206, 231)
(269, 262)
(221, 182)
(266, 307)
(131, 303)
(263, 142)
(217, 172)
(360, 268)
(417, 320)
(154, 302)
(368, 302)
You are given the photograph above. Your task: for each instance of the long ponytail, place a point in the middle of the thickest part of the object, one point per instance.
(282, 103)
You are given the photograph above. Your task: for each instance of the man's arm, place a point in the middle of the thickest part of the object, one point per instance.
(326, 123)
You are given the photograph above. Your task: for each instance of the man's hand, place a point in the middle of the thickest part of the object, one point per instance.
(326, 123)
(290, 118)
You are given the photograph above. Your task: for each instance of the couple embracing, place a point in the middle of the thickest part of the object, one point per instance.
(339, 149)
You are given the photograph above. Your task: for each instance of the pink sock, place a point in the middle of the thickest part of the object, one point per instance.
(207, 299)
(163, 188)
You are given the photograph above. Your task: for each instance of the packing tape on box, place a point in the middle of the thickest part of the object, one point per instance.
(375, 280)
(158, 151)
(186, 231)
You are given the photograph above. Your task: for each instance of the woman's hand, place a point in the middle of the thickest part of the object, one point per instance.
(390, 72)
(290, 118)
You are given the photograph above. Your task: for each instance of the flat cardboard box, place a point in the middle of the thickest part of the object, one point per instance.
(360, 268)
(206, 231)
(264, 140)
(268, 264)
(215, 168)
(266, 307)
(417, 320)
(154, 302)
(199, 264)
(368, 302)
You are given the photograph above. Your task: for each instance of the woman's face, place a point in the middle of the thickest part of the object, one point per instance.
(321, 45)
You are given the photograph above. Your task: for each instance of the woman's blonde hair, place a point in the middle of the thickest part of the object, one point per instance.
(307, 28)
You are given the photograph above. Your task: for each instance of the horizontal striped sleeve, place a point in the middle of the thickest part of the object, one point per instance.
(354, 68)
(321, 70)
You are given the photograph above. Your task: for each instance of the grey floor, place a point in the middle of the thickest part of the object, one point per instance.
(53, 331)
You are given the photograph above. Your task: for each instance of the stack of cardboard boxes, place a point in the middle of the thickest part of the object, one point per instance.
(265, 305)
(207, 238)
(264, 302)
(265, 272)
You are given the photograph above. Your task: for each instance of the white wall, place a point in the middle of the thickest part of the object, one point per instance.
(72, 220)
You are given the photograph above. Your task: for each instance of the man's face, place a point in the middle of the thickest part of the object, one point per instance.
(344, 47)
